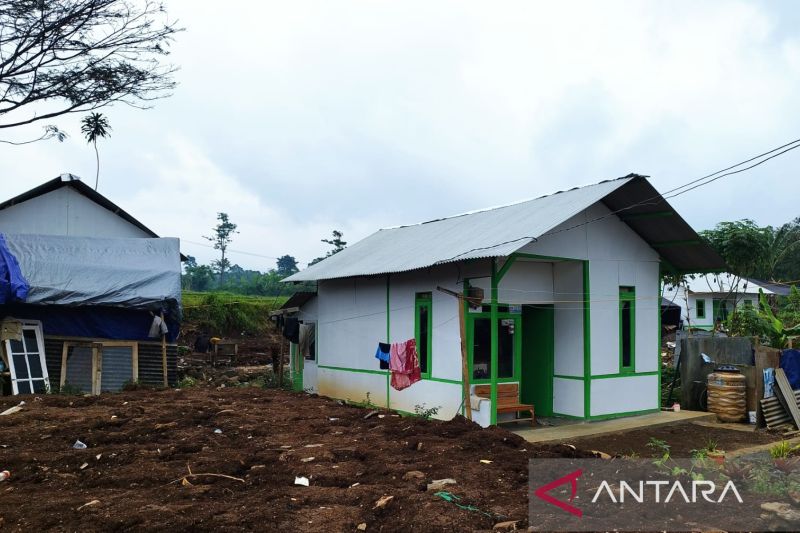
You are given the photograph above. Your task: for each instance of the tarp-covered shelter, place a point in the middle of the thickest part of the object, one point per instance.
(95, 301)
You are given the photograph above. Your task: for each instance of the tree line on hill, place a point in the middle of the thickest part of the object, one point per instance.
(222, 275)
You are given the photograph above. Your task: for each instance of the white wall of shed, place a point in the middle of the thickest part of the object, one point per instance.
(66, 212)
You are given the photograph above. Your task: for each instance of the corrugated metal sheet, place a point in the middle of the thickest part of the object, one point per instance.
(117, 368)
(150, 371)
(491, 233)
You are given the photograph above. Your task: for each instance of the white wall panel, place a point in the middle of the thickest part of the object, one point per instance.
(568, 318)
(604, 311)
(526, 282)
(445, 396)
(66, 212)
(351, 322)
(352, 386)
(568, 397)
(648, 310)
(623, 395)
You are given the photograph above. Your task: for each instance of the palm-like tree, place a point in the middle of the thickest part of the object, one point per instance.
(94, 127)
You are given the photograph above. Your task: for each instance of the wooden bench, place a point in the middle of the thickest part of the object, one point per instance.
(507, 398)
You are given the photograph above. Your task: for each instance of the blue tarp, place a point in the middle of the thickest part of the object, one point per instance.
(790, 363)
(13, 286)
(92, 322)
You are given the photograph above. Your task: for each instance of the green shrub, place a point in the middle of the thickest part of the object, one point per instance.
(226, 314)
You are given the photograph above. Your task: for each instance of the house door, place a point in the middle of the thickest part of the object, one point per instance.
(536, 385)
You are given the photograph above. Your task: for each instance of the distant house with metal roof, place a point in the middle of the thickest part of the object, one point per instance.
(706, 299)
(564, 311)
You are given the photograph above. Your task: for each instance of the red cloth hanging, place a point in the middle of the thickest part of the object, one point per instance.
(404, 364)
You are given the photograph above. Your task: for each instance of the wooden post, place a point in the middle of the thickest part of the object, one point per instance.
(280, 368)
(464, 360)
(164, 353)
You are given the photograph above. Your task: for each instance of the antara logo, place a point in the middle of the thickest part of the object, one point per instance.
(572, 479)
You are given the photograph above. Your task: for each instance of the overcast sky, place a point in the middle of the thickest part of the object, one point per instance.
(297, 118)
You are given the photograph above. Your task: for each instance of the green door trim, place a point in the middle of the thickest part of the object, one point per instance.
(587, 344)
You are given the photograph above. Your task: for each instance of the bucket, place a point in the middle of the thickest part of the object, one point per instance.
(727, 393)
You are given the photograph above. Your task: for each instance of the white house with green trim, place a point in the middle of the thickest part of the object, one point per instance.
(570, 312)
(706, 299)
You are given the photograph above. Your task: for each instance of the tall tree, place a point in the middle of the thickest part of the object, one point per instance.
(338, 245)
(80, 55)
(754, 251)
(95, 126)
(222, 237)
(287, 265)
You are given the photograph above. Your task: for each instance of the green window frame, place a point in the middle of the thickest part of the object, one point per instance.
(423, 331)
(700, 308)
(627, 329)
(517, 346)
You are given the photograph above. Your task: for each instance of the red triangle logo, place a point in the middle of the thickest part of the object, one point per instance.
(572, 479)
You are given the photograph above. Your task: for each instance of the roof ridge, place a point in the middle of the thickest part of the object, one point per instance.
(512, 204)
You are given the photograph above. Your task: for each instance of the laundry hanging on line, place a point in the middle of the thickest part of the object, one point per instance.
(382, 355)
(404, 364)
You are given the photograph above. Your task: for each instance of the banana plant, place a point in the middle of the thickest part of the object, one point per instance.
(778, 333)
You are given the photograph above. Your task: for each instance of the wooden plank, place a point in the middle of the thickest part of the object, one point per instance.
(785, 391)
(135, 362)
(64, 354)
(164, 354)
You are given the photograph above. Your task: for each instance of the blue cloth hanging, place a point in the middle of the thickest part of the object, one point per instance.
(13, 286)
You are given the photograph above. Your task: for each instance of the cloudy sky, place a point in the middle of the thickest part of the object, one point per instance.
(300, 117)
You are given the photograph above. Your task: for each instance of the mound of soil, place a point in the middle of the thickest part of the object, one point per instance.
(141, 444)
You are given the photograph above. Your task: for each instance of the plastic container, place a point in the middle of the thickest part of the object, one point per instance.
(727, 394)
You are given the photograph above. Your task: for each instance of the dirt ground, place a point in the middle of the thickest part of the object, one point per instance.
(682, 439)
(142, 443)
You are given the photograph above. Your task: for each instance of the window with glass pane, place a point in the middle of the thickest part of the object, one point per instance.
(505, 348)
(701, 308)
(481, 348)
(423, 324)
(29, 373)
(627, 327)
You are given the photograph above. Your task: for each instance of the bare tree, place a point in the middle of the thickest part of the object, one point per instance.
(222, 237)
(80, 55)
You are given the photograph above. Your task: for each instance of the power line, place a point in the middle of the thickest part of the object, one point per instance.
(234, 251)
(694, 184)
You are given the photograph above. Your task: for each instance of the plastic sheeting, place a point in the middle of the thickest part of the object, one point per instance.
(13, 286)
(137, 273)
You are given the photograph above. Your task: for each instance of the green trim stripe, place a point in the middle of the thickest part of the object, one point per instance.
(359, 370)
(587, 343)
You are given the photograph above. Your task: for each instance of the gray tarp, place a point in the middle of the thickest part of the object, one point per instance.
(72, 271)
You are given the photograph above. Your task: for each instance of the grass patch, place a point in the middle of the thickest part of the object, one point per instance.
(224, 313)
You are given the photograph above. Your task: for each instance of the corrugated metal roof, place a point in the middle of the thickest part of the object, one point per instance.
(724, 283)
(503, 230)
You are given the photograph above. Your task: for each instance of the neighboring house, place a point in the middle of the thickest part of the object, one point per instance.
(570, 306)
(97, 276)
(706, 299)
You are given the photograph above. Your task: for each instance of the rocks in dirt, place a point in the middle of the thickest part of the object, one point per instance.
(440, 484)
(383, 501)
(783, 511)
(371, 414)
(79, 445)
(601, 455)
(362, 526)
(413, 475)
(307, 459)
(509, 525)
